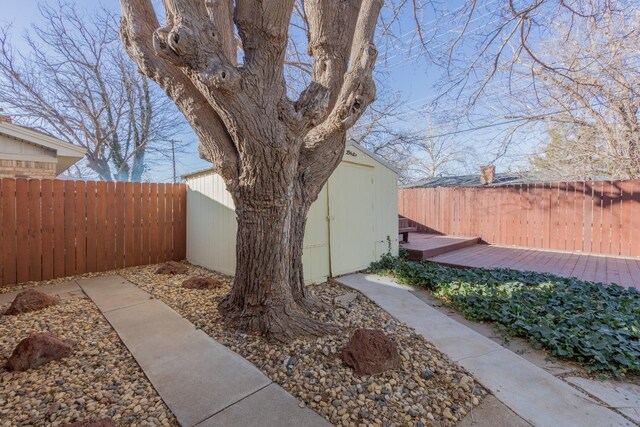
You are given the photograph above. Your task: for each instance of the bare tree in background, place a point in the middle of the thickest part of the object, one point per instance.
(381, 131)
(568, 62)
(574, 153)
(440, 157)
(588, 95)
(413, 151)
(274, 153)
(77, 84)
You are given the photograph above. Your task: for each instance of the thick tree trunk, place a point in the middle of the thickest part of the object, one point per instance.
(273, 153)
(268, 295)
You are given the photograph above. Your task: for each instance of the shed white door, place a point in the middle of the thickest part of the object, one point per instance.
(351, 218)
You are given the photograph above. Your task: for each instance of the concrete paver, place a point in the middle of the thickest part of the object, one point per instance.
(195, 375)
(63, 290)
(112, 292)
(492, 413)
(534, 394)
(198, 378)
(271, 403)
(518, 345)
(624, 397)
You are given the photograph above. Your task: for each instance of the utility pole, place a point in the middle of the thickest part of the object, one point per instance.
(173, 159)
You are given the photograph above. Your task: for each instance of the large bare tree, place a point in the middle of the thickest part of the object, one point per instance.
(588, 94)
(274, 153)
(74, 80)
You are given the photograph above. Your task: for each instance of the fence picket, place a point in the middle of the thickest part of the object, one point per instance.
(101, 227)
(91, 227)
(22, 229)
(46, 189)
(81, 228)
(129, 225)
(120, 224)
(9, 249)
(35, 230)
(59, 242)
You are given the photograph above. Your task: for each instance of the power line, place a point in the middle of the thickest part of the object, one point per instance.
(505, 122)
(496, 97)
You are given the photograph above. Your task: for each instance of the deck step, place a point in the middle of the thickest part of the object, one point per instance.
(403, 223)
(424, 246)
(407, 230)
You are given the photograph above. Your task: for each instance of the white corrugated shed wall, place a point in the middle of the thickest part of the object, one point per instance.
(211, 223)
(362, 218)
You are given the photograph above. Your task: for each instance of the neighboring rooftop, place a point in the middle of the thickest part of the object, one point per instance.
(470, 181)
(21, 143)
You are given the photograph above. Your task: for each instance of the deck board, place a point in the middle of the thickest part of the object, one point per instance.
(595, 268)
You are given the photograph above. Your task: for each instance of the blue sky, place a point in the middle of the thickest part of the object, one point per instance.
(411, 78)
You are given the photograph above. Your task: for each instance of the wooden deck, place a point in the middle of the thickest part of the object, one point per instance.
(422, 246)
(596, 268)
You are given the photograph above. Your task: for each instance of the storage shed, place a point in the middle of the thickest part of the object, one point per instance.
(348, 226)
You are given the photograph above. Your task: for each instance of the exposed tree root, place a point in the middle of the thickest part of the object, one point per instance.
(308, 301)
(281, 323)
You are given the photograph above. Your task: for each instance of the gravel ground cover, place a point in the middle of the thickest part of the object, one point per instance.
(428, 390)
(100, 379)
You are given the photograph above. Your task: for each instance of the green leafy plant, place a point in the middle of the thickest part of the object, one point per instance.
(591, 323)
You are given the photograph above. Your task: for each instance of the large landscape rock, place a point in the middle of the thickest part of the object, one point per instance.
(36, 350)
(173, 268)
(199, 282)
(30, 300)
(371, 352)
(345, 300)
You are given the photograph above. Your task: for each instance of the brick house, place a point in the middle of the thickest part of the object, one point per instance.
(27, 153)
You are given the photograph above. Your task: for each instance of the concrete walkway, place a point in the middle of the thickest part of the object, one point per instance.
(532, 393)
(63, 290)
(201, 381)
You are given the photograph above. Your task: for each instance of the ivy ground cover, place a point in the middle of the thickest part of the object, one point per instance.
(595, 324)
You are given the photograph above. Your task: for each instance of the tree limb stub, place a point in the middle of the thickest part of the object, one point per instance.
(191, 40)
(137, 27)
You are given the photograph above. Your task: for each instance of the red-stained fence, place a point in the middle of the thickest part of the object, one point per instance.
(592, 217)
(57, 228)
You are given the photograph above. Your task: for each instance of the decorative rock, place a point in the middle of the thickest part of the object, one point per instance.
(105, 422)
(371, 352)
(36, 350)
(346, 299)
(30, 300)
(447, 414)
(172, 268)
(199, 282)
(426, 374)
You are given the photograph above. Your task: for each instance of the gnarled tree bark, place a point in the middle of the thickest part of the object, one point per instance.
(275, 154)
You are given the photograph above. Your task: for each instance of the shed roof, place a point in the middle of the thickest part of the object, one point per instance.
(66, 153)
(350, 142)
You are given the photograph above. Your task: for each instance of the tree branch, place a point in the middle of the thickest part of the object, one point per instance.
(137, 29)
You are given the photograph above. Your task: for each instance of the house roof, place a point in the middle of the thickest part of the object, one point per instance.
(66, 153)
(470, 181)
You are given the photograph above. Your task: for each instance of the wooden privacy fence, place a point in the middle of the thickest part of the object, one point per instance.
(55, 228)
(591, 217)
